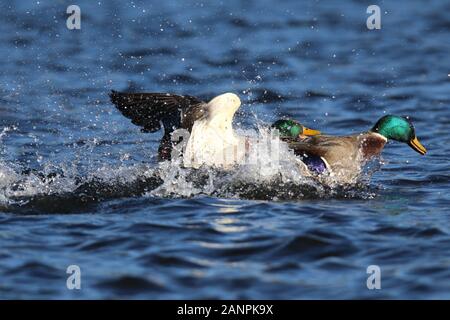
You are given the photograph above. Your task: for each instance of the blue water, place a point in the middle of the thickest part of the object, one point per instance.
(77, 179)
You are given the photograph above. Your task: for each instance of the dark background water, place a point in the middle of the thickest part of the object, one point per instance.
(313, 60)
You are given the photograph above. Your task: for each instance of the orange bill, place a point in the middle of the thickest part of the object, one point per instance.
(417, 146)
(310, 132)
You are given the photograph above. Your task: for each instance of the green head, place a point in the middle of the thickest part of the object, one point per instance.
(399, 129)
(292, 128)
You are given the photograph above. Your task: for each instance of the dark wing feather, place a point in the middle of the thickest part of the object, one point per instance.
(149, 110)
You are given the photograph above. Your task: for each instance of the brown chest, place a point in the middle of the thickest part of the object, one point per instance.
(371, 145)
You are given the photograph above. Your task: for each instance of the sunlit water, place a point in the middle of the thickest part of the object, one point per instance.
(80, 185)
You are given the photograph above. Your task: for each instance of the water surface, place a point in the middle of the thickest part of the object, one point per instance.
(77, 183)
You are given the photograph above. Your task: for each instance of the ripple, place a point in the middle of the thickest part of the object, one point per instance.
(131, 285)
(168, 261)
(36, 269)
(105, 244)
(317, 246)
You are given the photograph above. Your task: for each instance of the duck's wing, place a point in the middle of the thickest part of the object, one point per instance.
(331, 148)
(311, 145)
(149, 110)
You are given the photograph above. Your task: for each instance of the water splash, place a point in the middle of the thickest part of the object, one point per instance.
(265, 175)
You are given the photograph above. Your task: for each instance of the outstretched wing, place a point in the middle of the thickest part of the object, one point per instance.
(149, 110)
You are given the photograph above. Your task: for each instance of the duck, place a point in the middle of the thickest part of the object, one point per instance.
(204, 129)
(343, 157)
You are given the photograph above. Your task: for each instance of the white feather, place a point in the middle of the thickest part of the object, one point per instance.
(213, 141)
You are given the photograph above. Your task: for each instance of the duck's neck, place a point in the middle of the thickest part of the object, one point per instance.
(372, 144)
(222, 123)
(376, 134)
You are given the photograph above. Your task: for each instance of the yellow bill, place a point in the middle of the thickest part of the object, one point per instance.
(310, 132)
(417, 146)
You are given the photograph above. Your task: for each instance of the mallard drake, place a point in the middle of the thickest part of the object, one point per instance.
(343, 156)
(211, 140)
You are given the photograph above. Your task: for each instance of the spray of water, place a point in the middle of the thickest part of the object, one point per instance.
(266, 175)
